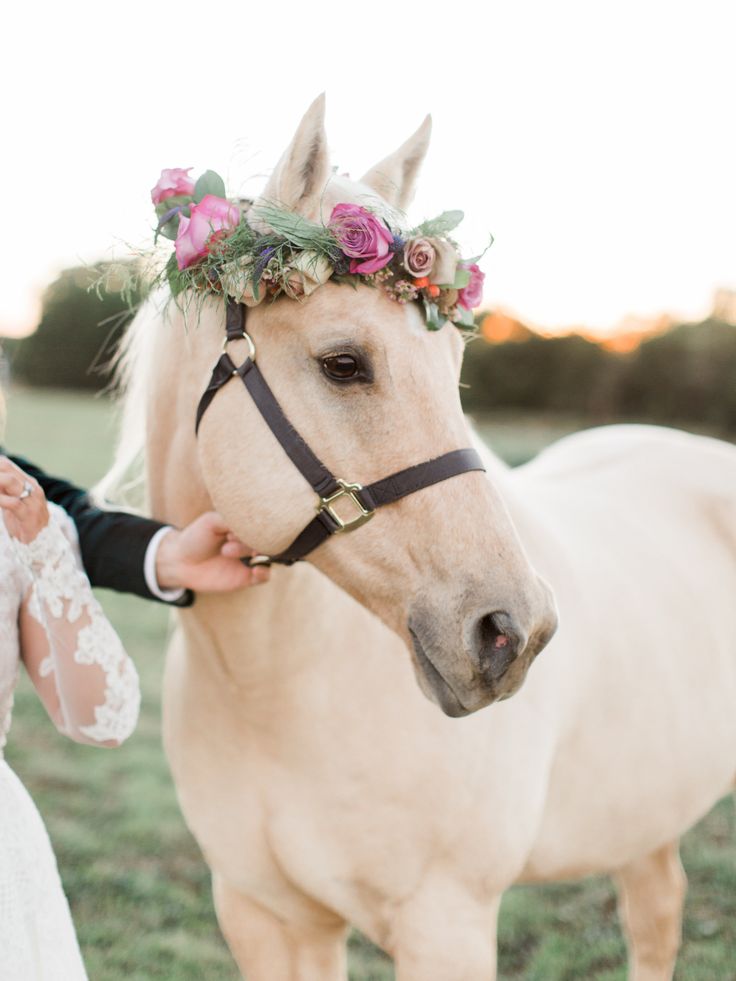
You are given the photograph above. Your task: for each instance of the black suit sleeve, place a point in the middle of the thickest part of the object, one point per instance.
(113, 543)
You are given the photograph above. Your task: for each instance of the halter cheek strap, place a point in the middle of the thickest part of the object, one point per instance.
(330, 489)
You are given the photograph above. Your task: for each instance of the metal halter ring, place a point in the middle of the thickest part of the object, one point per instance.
(26, 492)
(245, 337)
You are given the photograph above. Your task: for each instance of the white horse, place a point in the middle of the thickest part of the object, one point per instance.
(322, 786)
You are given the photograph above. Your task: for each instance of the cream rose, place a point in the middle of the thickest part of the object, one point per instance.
(305, 272)
(419, 257)
(237, 281)
(445, 264)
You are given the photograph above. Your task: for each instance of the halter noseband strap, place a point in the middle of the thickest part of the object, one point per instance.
(329, 488)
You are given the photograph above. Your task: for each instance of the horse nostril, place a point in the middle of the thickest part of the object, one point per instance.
(498, 643)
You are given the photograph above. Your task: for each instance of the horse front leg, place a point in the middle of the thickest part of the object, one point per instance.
(267, 948)
(651, 895)
(446, 937)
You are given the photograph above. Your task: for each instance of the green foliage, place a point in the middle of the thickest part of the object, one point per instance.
(686, 376)
(209, 183)
(440, 225)
(297, 230)
(435, 320)
(241, 259)
(558, 373)
(84, 313)
(168, 212)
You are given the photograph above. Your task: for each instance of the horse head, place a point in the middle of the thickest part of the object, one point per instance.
(372, 392)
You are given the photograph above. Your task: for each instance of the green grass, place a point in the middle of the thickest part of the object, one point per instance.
(138, 886)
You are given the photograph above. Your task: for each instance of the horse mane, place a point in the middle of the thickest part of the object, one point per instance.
(124, 483)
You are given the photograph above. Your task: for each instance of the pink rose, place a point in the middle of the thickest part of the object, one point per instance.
(471, 295)
(211, 216)
(419, 256)
(362, 237)
(173, 181)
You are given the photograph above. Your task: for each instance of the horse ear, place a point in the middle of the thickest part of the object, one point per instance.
(395, 177)
(301, 174)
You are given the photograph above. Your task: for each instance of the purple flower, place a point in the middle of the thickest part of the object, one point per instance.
(262, 261)
(362, 237)
(341, 264)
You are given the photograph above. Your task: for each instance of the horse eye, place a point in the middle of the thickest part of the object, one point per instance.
(340, 367)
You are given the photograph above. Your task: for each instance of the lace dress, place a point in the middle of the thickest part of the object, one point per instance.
(91, 690)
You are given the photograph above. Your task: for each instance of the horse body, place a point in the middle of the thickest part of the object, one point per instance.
(321, 784)
(649, 516)
(340, 789)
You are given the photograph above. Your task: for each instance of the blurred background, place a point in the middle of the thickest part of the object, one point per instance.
(595, 141)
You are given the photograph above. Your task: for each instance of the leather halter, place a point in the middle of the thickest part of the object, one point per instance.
(329, 489)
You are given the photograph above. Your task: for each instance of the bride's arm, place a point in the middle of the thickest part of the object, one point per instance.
(73, 656)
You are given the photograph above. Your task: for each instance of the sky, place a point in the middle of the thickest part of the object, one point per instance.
(595, 140)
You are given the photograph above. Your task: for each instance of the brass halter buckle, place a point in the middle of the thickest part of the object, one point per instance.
(349, 491)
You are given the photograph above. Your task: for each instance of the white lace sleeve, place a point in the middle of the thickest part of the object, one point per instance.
(94, 677)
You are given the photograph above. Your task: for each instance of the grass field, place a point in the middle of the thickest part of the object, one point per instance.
(138, 886)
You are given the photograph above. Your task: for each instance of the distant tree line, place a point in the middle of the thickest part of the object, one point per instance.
(686, 375)
(83, 316)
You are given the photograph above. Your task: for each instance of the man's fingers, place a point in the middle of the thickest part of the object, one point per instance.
(217, 524)
(236, 550)
(256, 575)
(214, 523)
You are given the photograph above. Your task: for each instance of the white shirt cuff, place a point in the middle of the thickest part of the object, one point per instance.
(149, 569)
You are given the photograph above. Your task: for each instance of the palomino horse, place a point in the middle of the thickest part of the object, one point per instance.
(322, 786)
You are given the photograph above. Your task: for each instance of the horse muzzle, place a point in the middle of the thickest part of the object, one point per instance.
(490, 666)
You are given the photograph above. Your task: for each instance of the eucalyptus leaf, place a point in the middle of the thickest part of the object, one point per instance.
(169, 229)
(435, 320)
(477, 258)
(440, 225)
(209, 183)
(168, 204)
(465, 318)
(255, 284)
(462, 278)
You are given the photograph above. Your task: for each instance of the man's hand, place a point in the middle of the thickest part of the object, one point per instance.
(205, 556)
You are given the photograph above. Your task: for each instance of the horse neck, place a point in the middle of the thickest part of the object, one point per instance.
(546, 551)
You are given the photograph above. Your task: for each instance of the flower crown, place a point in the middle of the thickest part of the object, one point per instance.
(217, 250)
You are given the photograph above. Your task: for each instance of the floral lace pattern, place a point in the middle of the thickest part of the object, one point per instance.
(60, 590)
(14, 583)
